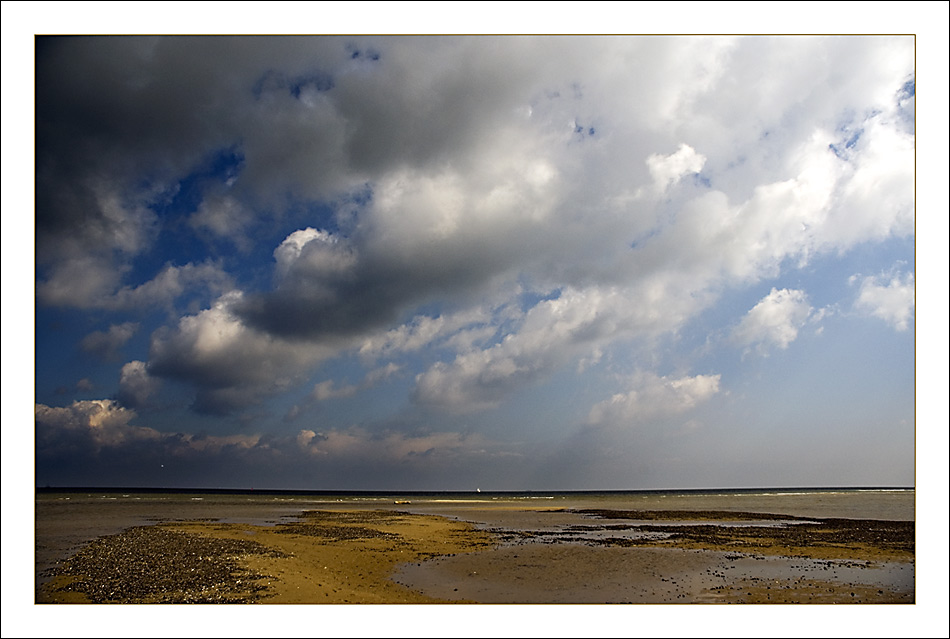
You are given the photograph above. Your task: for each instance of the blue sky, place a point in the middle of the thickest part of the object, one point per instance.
(497, 262)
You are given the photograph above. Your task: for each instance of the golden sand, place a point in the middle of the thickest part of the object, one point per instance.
(368, 557)
(330, 557)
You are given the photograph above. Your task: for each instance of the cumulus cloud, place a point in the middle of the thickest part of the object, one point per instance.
(93, 431)
(313, 252)
(423, 331)
(364, 447)
(94, 284)
(890, 298)
(382, 373)
(551, 334)
(223, 216)
(88, 424)
(652, 397)
(115, 107)
(99, 436)
(469, 179)
(667, 170)
(328, 390)
(446, 235)
(876, 200)
(103, 424)
(106, 345)
(774, 321)
(136, 386)
(86, 234)
(230, 364)
(478, 212)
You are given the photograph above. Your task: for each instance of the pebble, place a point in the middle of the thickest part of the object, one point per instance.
(151, 564)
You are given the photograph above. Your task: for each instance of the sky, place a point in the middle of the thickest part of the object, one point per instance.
(457, 262)
(503, 262)
(393, 263)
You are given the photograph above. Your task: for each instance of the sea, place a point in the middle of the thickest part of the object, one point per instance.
(66, 519)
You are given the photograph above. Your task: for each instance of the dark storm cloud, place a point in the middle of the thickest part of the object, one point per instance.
(120, 122)
(315, 300)
(113, 136)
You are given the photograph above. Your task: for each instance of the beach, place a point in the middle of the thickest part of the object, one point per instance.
(432, 551)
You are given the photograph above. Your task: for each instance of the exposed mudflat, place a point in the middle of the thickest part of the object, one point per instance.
(538, 556)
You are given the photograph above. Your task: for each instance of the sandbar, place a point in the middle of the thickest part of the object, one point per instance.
(392, 556)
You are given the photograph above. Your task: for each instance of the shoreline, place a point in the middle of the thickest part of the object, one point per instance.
(330, 557)
(540, 555)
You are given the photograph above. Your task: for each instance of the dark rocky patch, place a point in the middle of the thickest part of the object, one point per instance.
(335, 532)
(340, 525)
(151, 564)
(680, 515)
(800, 533)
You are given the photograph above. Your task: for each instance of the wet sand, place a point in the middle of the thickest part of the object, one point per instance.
(327, 557)
(524, 555)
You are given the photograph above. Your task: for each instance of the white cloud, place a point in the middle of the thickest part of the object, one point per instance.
(81, 282)
(224, 216)
(667, 170)
(230, 364)
(466, 175)
(100, 422)
(359, 446)
(653, 397)
(233, 446)
(551, 334)
(92, 283)
(877, 198)
(106, 344)
(382, 373)
(101, 425)
(328, 390)
(420, 332)
(106, 425)
(87, 232)
(310, 253)
(890, 298)
(774, 321)
(136, 386)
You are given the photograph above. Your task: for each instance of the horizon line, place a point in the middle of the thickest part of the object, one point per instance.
(474, 491)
